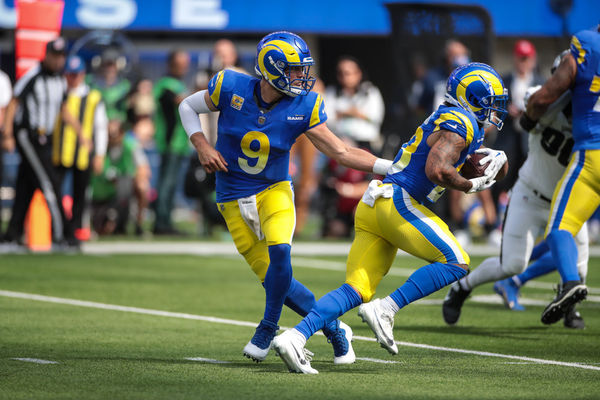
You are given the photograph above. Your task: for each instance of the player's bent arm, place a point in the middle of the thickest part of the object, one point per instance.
(560, 81)
(348, 156)
(189, 109)
(444, 153)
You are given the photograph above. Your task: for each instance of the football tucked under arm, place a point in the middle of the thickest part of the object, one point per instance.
(473, 169)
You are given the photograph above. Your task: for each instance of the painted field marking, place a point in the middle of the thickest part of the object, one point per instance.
(35, 360)
(103, 306)
(376, 360)
(207, 360)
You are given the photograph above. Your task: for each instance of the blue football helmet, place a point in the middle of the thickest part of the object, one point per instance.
(477, 88)
(276, 55)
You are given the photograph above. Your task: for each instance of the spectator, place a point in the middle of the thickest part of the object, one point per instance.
(113, 87)
(354, 105)
(140, 102)
(513, 139)
(125, 173)
(433, 89)
(355, 109)
(5, 96)
(38, 100)
(171, 140)
(84, 152)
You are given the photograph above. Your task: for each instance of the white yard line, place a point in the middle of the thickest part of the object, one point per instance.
(378, 361)
(35, 360)
(207, 360)
(103, 306)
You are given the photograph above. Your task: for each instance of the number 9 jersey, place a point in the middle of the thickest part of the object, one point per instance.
(255, 138)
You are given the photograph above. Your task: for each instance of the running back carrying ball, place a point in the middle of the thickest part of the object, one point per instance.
(472, 169)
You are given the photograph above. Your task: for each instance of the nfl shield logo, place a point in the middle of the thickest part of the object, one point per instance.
(261, 119)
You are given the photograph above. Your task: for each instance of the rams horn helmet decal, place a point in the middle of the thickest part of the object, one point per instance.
(276, 55)
(477, 88)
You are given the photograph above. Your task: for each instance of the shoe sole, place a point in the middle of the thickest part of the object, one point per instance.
(556, 310)
(385, 343)
(253, 358)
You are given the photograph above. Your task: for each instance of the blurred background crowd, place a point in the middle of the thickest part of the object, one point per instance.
(126, 167)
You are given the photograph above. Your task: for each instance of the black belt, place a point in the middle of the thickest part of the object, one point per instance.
(541, 196)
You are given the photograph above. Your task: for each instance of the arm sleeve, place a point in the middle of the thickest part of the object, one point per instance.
(100, 130)
(189, 109)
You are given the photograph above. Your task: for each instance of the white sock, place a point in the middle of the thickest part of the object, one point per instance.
(489, 270)
(390, 305)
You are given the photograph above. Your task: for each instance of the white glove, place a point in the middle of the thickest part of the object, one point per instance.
(496, 158)
(481, 183)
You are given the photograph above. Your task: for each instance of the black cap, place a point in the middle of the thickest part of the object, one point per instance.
(57, 46)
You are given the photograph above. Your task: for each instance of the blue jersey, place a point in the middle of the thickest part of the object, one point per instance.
(408, 170)
(585, 48)
(255, 140)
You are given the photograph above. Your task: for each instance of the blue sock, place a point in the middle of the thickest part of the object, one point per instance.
(564, 251)
(539, 250)
(542, 266)
(328, 309)
(426, 280)
(299, 299)
(277, 281)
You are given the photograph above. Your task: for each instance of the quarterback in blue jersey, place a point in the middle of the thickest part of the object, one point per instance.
(392, 216)
(259, 121)
(577, 194)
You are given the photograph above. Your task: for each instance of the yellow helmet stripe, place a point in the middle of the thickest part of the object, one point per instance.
(288, 50)
(491, 78)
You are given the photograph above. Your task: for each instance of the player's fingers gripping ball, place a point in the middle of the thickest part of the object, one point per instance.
(477, 164)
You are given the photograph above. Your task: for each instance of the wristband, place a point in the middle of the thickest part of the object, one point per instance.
(526, 122)
(381, 166)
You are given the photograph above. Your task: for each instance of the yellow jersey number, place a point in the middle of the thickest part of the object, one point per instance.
(261, 154)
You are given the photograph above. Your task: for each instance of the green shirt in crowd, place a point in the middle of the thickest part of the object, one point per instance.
(170, 137)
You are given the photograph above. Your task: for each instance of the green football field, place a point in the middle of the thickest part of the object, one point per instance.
(171, 327)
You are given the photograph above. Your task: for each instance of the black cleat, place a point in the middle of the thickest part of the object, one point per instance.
(569, 294)
(573, 319)
(453, 303)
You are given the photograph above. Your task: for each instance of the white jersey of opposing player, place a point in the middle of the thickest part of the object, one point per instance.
(550, 145)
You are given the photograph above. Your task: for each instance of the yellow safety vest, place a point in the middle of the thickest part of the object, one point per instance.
(67, 150)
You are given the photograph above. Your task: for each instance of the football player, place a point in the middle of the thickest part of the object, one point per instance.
(550, 144)
(259, 121)
(391, 214)
(577, 194)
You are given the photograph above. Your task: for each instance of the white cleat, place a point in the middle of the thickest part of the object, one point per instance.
(255, 353)
(343, 343)
(290, 347)
(381, 323)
